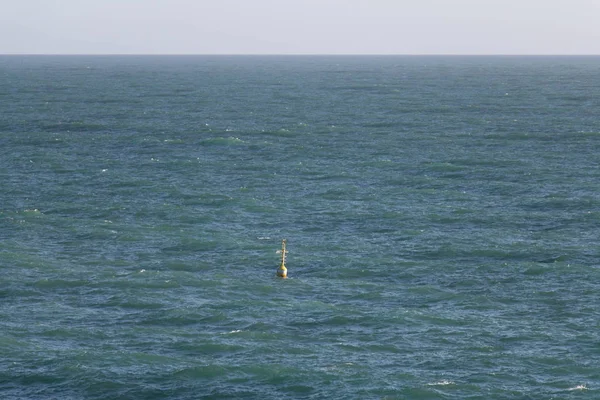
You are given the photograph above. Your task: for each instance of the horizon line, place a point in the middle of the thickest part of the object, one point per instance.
(316, 54)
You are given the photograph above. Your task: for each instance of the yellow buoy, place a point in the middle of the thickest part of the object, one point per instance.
(282, 270)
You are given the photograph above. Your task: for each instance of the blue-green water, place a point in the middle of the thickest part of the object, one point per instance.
(442, 217)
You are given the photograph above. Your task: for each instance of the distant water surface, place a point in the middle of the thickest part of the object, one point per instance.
(442, 217)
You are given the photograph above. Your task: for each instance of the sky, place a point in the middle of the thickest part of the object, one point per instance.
(529, 27)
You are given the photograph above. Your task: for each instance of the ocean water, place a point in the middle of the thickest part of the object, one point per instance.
(442, 217)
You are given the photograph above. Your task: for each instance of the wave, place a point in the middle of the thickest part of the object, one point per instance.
(223, 141)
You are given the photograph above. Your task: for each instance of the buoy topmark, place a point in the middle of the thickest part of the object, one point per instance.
(282, 270)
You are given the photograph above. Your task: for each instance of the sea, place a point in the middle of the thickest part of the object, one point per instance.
(442, 216)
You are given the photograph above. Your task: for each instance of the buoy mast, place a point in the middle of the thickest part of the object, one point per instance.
(282, 270)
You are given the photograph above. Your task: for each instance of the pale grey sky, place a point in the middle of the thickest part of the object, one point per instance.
(300, 26)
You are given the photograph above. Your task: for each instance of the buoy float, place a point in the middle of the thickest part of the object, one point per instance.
(282, 270)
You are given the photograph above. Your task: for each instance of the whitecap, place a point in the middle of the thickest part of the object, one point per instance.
(441, 383)
(235, 331)
(579, 387)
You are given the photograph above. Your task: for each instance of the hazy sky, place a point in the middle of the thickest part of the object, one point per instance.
(300, 26)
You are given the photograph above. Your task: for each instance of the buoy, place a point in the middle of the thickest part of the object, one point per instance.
(282, 270)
